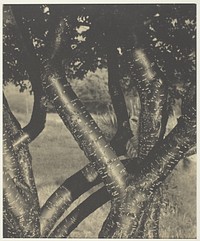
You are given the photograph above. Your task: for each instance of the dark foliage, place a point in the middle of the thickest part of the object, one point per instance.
(151, 46)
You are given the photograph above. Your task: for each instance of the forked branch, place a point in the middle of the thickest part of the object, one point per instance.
(82, 126)
(152, 89)
(161, 162)
(32, 65)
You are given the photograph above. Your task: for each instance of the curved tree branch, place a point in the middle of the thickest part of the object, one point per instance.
(159, 165)
(83, 210)
(71, 189)
(152, 90)
(61, 199)
(160, 169)
(153, 96)
(82, 126)
(19, 198)
(22, 152)
(129, 198)
(32, 65)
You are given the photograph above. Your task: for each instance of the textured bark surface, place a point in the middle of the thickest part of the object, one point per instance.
(62, 198)
(79, 121)
(152, 90)
(124, 220)
(84, 129)
(133, 189)
(153, 96)
(83, 210)
(67, 193)
(21, 206)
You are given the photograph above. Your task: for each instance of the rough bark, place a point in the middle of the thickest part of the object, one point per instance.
(71, 189)
(83, 210)
(20, 196)
(130, 195)
(153, 95)
(161, 162)
(82, 126)
(84, 129)
(152, 90)
(62, 198)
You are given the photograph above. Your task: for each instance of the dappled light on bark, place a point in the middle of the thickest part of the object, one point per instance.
(20, 195)
(115, 37)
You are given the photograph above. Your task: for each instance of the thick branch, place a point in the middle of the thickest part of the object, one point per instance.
(23, 163)
(62, 198)
(84, 129)
(175, 145)
(153, 119)
(83, 210)
(161, 162)
(68, 192)
(32, 65)
(17, 194)
(153, 96)
(81, 125)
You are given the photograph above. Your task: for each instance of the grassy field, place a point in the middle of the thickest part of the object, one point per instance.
(56, 156)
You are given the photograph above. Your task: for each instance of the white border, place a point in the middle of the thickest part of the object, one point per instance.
(105, 2)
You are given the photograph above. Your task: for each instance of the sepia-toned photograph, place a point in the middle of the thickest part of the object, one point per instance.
(99, 121)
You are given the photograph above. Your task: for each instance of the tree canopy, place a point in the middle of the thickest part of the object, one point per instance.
(149, 47)
(169, 30)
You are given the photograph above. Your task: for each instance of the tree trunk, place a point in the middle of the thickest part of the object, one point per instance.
(153, 118)
(130, 194)
(21, 206)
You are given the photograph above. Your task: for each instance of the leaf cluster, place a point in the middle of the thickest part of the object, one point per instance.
(168, 31)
